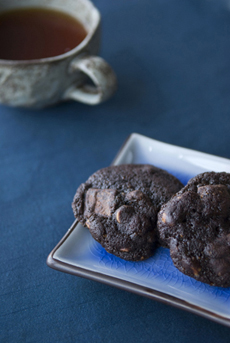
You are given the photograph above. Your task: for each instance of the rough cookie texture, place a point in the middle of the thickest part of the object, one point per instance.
(119, 205)
(195, 225)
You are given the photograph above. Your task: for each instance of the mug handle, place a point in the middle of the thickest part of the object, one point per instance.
(100, 73)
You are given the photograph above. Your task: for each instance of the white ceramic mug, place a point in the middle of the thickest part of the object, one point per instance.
(47, 81)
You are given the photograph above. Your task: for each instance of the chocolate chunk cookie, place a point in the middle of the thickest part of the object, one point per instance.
(119, 205)
(195, 225)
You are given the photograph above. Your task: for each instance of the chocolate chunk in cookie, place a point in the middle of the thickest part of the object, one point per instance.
(195, 225)
(119, 205)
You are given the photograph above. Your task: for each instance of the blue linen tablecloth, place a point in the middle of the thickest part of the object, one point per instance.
(172, 60)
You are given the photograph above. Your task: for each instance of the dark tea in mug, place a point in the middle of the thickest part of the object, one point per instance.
(34, 33)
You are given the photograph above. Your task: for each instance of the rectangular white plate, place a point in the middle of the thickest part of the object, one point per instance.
(78, 254)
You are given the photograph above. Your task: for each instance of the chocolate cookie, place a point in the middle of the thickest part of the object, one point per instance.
(119, 205)
(195, 225)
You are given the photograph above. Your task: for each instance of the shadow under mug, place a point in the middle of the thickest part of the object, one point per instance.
(47, 81)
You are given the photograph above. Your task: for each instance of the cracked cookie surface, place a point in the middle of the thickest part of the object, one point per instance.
(119, 205)
(195, 226)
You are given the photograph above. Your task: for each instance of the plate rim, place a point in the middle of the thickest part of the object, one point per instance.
(61, 266)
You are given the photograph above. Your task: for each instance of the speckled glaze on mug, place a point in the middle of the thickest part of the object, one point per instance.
(44, 82)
